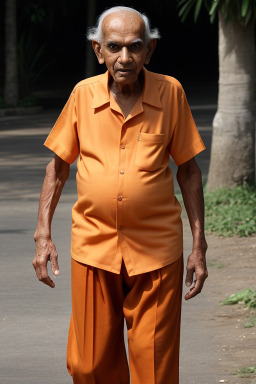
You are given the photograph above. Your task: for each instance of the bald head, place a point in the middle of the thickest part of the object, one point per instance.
(96, 33)
(123, 23)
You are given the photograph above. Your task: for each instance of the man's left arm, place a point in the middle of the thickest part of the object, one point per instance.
(189, 178)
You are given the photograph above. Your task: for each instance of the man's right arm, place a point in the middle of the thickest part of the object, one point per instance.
(57, 172)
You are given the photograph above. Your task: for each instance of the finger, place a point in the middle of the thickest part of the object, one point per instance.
(195, 290)
(54, 263)
(189, 276)
(36, 268)
(48, 281)
(42, 271)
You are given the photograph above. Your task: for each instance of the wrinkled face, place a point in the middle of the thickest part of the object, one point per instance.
(123, 47)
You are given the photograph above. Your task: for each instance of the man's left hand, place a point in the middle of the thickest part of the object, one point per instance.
(196, 264)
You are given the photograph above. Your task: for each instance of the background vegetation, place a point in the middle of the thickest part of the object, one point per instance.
(53, 33)
(230, 212)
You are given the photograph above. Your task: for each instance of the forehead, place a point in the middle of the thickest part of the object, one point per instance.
(121, 25)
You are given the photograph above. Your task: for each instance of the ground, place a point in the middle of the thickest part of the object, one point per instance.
(230, 346)
(34, 318)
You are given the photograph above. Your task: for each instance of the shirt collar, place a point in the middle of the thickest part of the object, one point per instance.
(101, 94)
(150, 92)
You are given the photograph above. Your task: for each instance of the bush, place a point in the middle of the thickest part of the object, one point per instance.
(246, 297)
(230, 212)
(28, 101)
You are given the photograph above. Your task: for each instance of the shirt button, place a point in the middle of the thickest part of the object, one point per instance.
(120, 227)
(123, 146)
(122, 172)
(120, 198)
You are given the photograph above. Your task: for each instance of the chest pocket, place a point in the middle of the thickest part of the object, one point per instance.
(149, 151)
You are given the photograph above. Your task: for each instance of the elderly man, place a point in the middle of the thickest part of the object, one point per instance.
(126, 244)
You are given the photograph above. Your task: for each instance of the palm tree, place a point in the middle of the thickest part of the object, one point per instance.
(11, 87)
(232, 160)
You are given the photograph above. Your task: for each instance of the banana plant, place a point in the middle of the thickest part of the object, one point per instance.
(243, 11)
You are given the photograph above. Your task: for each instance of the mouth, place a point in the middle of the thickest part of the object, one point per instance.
(124, 70)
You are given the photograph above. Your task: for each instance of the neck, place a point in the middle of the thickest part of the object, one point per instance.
(126, 90)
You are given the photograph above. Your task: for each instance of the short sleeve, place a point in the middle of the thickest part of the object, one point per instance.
(185, 141)
(63, 138)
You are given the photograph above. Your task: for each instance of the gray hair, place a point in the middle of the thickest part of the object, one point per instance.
(95, 33)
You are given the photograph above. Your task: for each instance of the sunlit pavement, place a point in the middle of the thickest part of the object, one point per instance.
(35, 318)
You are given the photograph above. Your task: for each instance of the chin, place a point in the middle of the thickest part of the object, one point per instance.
(126, 79)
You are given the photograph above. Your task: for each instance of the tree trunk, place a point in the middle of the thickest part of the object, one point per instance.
(233, 143)
(90, 57)
(11, 87)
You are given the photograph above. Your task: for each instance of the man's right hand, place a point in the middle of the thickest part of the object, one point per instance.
(45, 250)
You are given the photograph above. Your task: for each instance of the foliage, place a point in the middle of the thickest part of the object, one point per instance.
(230, 212)
(247, 297)
(243, 11)
(28, 101)
(29, 63)
(34, 12)
(31, 44)
(246, 372)
(251, 322)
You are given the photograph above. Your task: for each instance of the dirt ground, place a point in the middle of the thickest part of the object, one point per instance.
(231, 266)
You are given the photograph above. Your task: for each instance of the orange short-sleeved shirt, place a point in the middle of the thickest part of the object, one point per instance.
(126, 207)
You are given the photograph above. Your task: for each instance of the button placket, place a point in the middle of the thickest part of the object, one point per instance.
(120, 183)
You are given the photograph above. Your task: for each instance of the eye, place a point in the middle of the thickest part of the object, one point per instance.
(136, 46)
(113, 46)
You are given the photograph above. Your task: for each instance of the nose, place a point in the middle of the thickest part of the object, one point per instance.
(124, 57)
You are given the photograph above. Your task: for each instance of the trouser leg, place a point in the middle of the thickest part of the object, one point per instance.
(152, 309)
(96, 351)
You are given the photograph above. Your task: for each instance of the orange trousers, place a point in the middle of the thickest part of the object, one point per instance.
(151, 306)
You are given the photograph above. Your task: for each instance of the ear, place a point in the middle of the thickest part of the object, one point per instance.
(150, 49)
(97, 49)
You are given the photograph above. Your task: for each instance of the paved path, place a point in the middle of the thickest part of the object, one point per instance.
(34, 318)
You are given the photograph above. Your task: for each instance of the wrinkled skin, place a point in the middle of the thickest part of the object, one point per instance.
(57, 172)
(190, 181)
(45, 251)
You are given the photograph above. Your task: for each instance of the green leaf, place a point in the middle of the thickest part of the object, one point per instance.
(186, 13)
(214, 6)
(186, 4)
(207, 6)
(197, 9)
(187, 9)
(247, 296)
(248, 17)
(181, 2)
(245, 6)
(213, 10)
